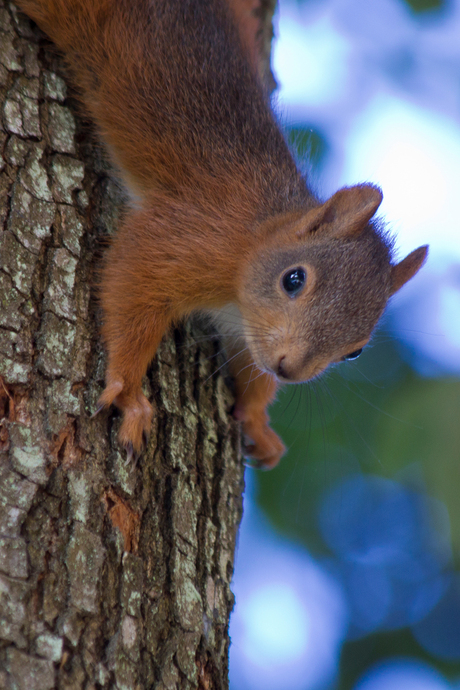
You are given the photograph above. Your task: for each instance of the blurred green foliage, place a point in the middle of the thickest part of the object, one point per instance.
(420, 6)
(375, 416)
(309, 146)
(362, 654)
(417, 6)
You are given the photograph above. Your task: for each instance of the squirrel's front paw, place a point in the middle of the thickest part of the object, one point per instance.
(137, 416)
(262, 447)
(135, 427)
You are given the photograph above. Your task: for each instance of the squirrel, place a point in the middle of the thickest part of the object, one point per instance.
(220, 221)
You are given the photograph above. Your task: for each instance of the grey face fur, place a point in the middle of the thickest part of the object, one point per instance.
(353, 283)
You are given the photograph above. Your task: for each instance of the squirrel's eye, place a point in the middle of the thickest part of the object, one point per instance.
(353, 355)
(293, 281)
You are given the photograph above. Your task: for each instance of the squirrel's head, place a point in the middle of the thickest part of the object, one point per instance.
(314, 292)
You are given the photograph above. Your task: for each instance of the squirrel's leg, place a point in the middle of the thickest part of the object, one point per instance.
(128, 359)
(135, 320)
(255, 390)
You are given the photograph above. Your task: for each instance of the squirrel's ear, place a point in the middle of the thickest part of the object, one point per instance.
(407, 268)
(346, 213)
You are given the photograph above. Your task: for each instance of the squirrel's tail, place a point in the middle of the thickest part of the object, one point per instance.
(78, 28)
(172, 95)
(69, 23)
(100, 43)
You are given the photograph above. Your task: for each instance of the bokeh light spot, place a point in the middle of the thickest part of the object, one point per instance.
(414, 155)
(276, 625)
(449, 314)
(403, 675)
(312, 64)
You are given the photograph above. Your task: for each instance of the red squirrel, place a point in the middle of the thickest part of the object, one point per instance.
(221, 221)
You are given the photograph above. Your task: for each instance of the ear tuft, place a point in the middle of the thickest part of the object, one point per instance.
(407, 268)
(353, 207)
(346, 213)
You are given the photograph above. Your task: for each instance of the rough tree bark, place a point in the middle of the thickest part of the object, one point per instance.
(111, 575)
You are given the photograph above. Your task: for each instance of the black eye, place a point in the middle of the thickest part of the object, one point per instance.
(352, 355)
(293, 281)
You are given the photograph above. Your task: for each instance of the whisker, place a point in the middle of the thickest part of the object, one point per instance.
(288, 403)
(376, 407)
(350, 420)
(373, 383)
(321, 414)
(224, 363)
(247, 385)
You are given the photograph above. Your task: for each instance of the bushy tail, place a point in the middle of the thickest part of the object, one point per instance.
(173, 96)
(100, 43)
(69, 23)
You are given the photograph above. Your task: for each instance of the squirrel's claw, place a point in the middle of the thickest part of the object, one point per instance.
(262, 448)
(254, 463)
(108, 397)
(99, 408)
(132, 456)
(259, 463)
(137, 416)
(129, 453)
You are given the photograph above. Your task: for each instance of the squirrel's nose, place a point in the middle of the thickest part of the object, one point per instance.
(281, 369)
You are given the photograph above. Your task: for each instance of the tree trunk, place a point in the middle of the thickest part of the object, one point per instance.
(112, 575)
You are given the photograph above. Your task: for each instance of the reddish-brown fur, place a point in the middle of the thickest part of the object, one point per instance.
(219, 210)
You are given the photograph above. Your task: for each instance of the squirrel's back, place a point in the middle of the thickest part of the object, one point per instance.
(170, 88)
